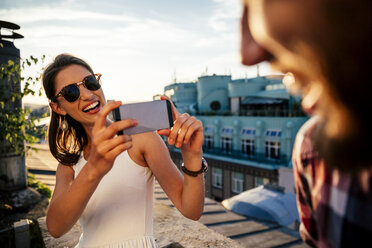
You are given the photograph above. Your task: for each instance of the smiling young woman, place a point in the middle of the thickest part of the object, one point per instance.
(106, 180)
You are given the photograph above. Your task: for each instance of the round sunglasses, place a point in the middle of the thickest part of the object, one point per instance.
(71, 92)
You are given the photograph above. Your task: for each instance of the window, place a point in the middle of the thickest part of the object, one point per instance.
(237, 182)
(208, 141)
(248, 147)
(226, 144)
(273, 133)
(260, 181)
(227, 130)
(248, 131)
(208, 129)
(272, 149)
(217, 177)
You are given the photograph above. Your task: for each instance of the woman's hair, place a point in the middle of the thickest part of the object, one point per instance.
(65, 146)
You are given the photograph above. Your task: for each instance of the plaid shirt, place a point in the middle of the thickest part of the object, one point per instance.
(335, 208)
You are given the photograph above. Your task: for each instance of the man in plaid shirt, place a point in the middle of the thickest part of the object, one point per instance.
(324, 47)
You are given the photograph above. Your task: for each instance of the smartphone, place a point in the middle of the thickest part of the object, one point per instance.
(151, 116)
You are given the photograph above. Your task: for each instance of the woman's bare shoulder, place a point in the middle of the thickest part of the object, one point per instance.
(142, 143)
(144, 139)
(65, 171)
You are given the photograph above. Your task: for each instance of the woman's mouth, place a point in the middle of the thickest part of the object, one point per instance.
(92, 108)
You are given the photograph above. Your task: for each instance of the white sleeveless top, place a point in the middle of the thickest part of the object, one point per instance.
(120, 211)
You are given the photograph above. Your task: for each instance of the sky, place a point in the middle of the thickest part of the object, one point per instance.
(139, 46)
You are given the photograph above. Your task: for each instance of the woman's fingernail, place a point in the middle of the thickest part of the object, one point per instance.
(170, 140)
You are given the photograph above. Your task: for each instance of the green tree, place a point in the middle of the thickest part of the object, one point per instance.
(17, 125)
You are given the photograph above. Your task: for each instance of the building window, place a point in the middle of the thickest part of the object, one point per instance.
(208, 129)
(227, 130)
(217, 177)
(248, 131)
(208, 141)
(248, 147)
(226, 144)
(273, 133)
(260, 181)
(272, 150)
(237, 182)
(208, 137)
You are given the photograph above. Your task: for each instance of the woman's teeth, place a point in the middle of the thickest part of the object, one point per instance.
(92, 106)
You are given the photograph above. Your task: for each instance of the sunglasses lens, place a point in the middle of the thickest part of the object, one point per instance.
(71, 93)
(92, 83)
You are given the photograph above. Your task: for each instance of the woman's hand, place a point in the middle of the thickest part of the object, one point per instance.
(105, 147)
(186, 133)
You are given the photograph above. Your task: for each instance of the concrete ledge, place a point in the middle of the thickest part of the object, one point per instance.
(171, 229)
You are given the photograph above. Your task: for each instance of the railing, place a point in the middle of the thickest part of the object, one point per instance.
(237, 154)
(273, 112)
(279, 113)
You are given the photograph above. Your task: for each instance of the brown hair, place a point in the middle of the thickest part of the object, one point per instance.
(341, 37)
(65, 146)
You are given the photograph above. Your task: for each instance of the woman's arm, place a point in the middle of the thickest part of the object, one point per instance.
(71, 195)
(69, 198)
(186, 193)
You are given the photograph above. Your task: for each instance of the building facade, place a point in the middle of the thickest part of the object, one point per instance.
(249, 129)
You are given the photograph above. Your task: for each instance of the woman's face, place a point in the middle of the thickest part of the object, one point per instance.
(89, 103)
(285, 29)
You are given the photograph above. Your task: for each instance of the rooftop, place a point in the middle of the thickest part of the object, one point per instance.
(218, 227)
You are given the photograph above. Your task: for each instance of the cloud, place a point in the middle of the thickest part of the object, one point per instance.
(225, 14)
(136, 54)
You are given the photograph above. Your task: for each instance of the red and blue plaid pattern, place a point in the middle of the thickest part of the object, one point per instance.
(335, 208)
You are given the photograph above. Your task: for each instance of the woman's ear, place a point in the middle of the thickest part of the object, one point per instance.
(56, 108)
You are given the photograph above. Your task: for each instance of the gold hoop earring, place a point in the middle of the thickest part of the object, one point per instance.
(64, 124)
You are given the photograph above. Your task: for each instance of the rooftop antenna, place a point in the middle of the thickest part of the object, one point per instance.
(246, 78)
(174, 76)
(258, 70)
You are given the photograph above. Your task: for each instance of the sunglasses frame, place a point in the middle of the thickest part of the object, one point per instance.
(60, 93)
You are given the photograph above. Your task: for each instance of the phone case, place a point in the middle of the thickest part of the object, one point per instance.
(151, 116)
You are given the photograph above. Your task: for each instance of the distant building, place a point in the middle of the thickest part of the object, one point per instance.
(42, 114)
(37, 110)
(183, 96)
(249, 130)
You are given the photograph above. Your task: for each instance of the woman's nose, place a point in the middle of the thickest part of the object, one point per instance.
(85, 93)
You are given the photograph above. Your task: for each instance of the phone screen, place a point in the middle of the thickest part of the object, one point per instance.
(151, 116)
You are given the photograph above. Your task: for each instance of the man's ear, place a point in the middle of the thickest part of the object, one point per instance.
(56, 108)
